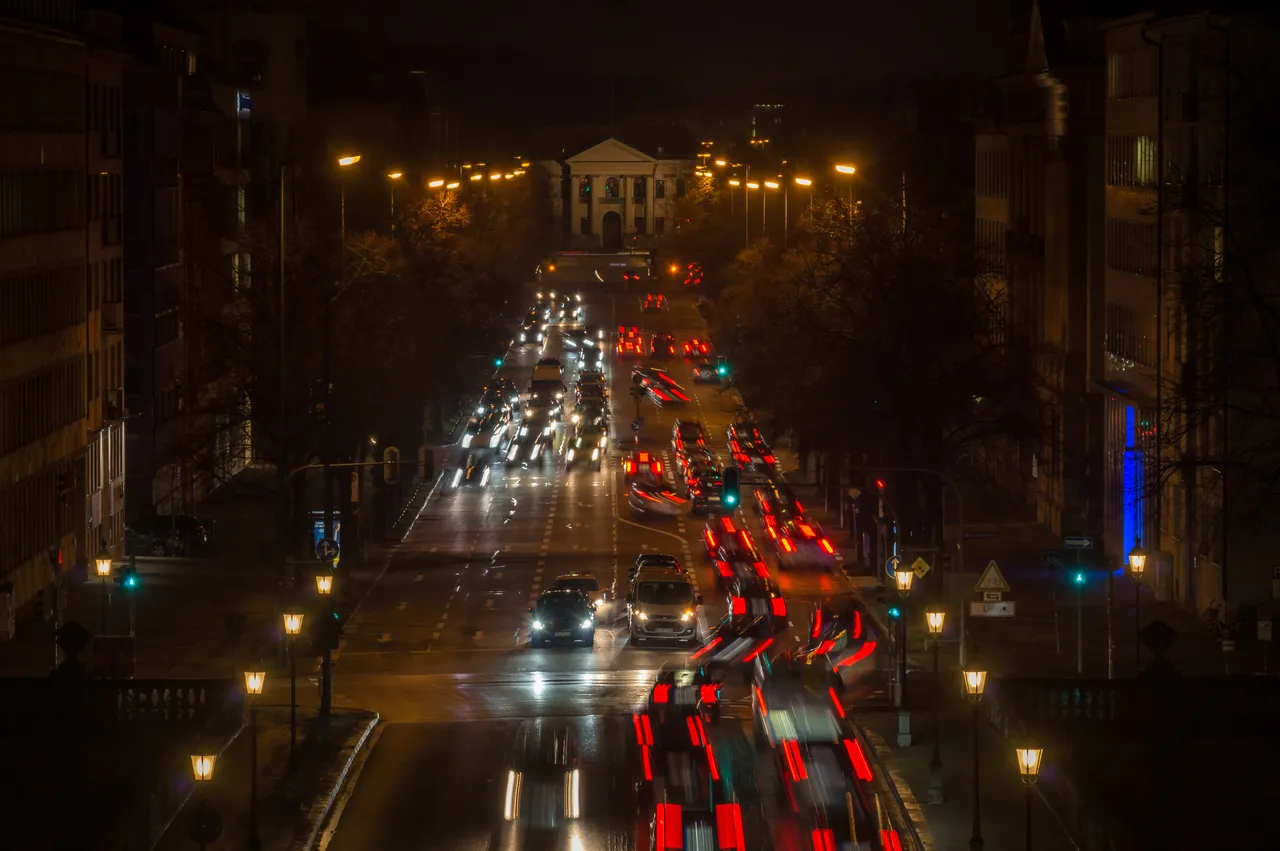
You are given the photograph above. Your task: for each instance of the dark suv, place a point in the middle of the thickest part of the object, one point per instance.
(168, 535)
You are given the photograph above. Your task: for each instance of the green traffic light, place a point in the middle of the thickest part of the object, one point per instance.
(730, 499)
(1079, 578)
(497, 361)
(722, 370)
(894, 612)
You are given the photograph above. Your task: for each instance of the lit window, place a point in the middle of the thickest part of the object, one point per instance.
(584, 189)
(611, 188)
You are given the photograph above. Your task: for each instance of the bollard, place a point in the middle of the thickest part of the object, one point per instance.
(904, 729)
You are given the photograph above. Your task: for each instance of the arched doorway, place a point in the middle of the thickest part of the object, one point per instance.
(611, 233)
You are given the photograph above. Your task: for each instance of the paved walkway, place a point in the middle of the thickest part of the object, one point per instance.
(283, 800)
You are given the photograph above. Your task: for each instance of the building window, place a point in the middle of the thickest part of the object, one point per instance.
(584, 189)
(679, 187)
(41, 403)
(34, 100)
(1131, 246)
(1131, 161)
(991, 239)
(1124, 338)
(1133, 73)
(584, 226)
(659, 189)
(659, 225)
(611, 188)
(242, 204)
(637, 189)
(37, 303)
(640, 225)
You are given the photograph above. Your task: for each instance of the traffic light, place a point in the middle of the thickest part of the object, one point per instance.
(731, 489)
(63, 485)
(879, 497)
(1078, 578)
(391, 465)
(722, 366)
(895, 612)
(126, 575)
(497, 362)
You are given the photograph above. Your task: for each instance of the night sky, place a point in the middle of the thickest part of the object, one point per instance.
(710, 48)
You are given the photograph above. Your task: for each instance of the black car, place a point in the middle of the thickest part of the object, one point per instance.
(751, 595)
(655, 560)
(663, 347)
(168, 535)
(562, 617)
(706, 492)
(472, 472)
(530, 333)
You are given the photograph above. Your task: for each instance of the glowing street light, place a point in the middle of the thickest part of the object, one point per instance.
(803, 181)
(903, 578)
(846, 169)
(1029, 770)
(395, 175)
(324, 584)
(771, 184)
(351, 160)
(936, 618)
(293, 626)
(508, 176)
(753, 185)
(103, 565)
(202, 766)
(735, 182)
(435, 184)
(477, 177)
(975, 682)
(454, 185)
(497, 175)
(722, 163)
(1137, 564)
(253, 683)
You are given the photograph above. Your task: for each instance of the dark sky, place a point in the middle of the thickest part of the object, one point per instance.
(712, 47)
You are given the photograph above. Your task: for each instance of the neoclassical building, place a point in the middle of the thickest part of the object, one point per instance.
(614, 197)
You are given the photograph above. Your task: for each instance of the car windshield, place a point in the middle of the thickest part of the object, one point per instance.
(586, 585)
(690, 431)
(561, 605)
(665, 593)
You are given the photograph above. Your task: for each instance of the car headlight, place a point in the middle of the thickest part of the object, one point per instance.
(576, 418)
(569, 455)
(595, 454)
(642, 616)
(587, 624)
(686, 615)
(536, 625)
(528, 412)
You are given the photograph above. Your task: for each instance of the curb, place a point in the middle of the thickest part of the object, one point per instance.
(904, 800)
(320, 810)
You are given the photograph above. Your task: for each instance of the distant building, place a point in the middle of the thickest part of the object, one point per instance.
(44, 327)
(614, 197)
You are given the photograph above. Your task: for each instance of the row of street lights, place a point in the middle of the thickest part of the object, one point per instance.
(749, 185)
(975, 683)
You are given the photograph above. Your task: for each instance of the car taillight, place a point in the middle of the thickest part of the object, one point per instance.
(668, 827)
(772, 532)
(859, 760)
(662, 693)
(824, 840)
(770, 460)
(644, 729)
(738, 605)
(889, 840)
(779, 607)
(761, 570)
(709, 693)
(727, 524)
(648, 767)
(806, 530)
(795, 762)
(729, 836)
(644, 458)
(656, 467)
(723, 568)
(711, 539)
(708, 647)
(787, 546)
(826, 546)
(754, 653)
(817, 622)
(629, 467)
(835, 701)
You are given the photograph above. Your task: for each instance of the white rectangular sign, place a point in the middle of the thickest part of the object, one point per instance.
(982, 609)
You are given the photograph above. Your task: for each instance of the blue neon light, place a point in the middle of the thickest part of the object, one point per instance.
(1131, 475)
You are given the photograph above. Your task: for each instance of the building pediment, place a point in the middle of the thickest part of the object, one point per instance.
(610, 156)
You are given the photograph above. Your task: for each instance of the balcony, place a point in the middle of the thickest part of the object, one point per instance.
(113, 317)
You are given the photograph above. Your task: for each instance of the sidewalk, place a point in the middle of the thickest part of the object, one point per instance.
(1003, 797)
(285, 809)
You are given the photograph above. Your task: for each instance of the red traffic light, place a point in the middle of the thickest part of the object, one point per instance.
(879, 484)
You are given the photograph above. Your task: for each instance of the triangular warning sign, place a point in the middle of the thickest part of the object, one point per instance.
(992, 579)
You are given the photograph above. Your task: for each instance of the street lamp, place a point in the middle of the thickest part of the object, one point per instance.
(902, 579)
(253, 683)
(204, 824)
(476, 177)
(975, 682)
(103, 564)
(807, 183)
(293, 626)
(1029, 770)
(453, 185)
(202, 767)
(849, 170)
(324, 587)
(935, 618)
(394, 177)
(1137, 564)
(722, 163)
(435, 184)
(346, 161)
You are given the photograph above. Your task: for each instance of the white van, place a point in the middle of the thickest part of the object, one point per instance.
(662, 605)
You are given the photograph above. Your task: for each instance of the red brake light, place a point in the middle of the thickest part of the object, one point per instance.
(859, 760)
(711, 763)
(788, 546)
(889, 840)
(769, 459)
(648, 769)
(727, 524)
(817, 622)
(729, 827)
(795, 762)
(826, 546)
(668, 827)
(694, 738)
(835, 700)
(857, 624)
(656, 466)
(723, 568)
(806, 530)
(644, 457)
(707, 648)
(711, 539)
(644, 730)
(738, 606)
(773, 533)
(867, 648)
(823, 840)
(754, 653)
(709, 693)
(761, 570)
(779, 607)
(662, 693)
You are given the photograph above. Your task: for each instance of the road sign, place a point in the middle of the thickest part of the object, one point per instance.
(983, 609)
(1077, 542)
(637, 424)
(992, 579)
(920, 567)
(326, 549)
(891, 565)
(992, 596)
(1052, 560)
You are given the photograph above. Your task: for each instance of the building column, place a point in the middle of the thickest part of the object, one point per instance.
(649, 202)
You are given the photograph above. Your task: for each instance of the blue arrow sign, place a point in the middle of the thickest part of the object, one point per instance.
(1078, 542)
(327, 549)
(891, 565)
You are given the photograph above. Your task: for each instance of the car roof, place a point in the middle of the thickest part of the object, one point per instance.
(570, 577)
(552, 595)
(663, 573)
(656, 558)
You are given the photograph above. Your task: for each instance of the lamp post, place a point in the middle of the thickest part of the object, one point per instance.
(935, 618)
(293, 626)
(324, 587)
(1029, 770)
(849, 170)
(807, 183)
(204, 824)
(764, 207)
(902, 579)
(327, 450)
(1137, 564)
(253, 683)
(394, 177)
(975, 682)
(103, 565)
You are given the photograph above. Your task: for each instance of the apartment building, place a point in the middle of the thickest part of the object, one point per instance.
(44, 329)
(1190, 275)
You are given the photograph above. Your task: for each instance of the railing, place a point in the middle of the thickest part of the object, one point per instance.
(896, 811)
(209, 706)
